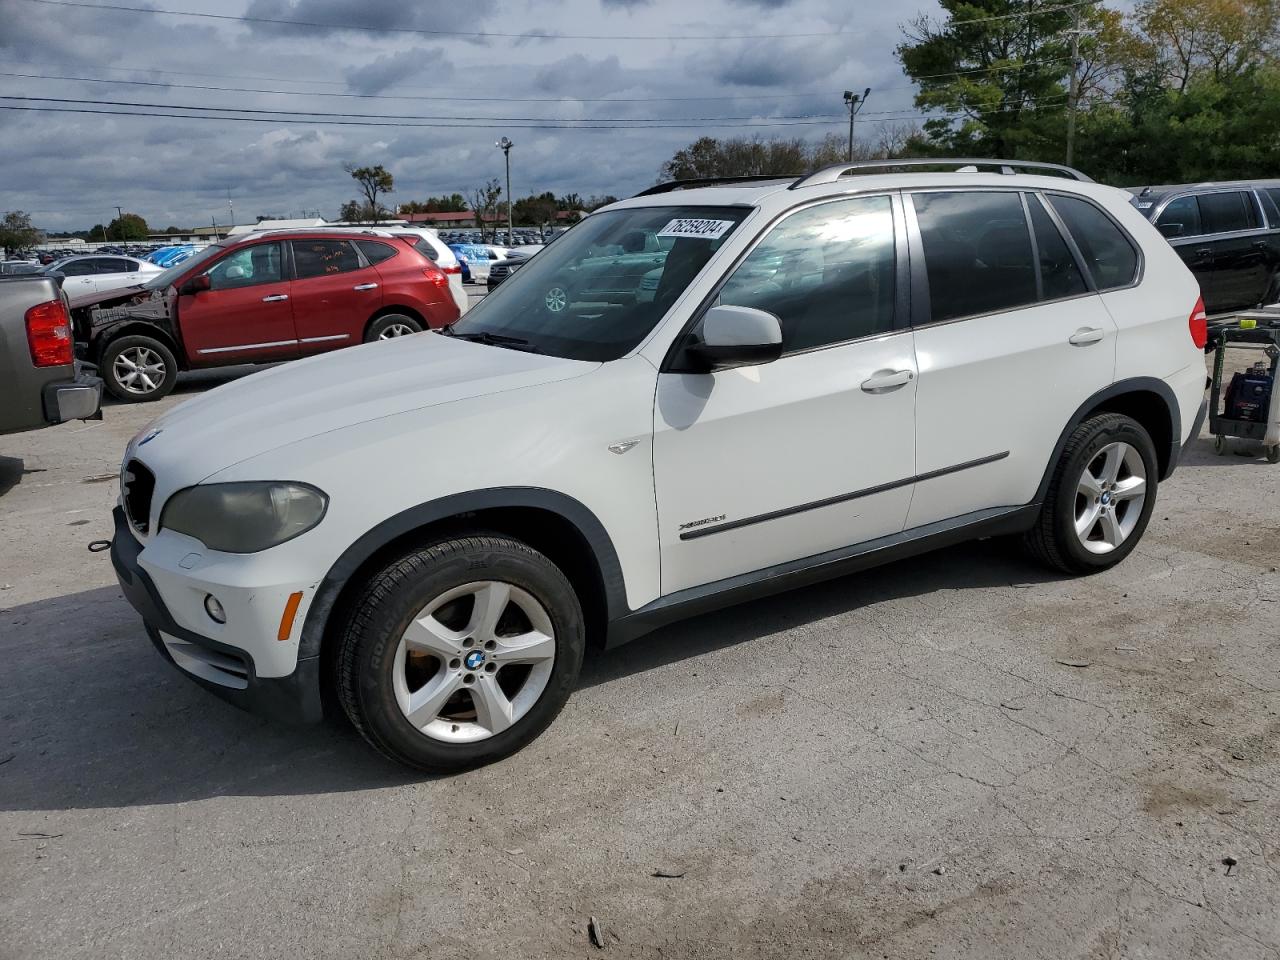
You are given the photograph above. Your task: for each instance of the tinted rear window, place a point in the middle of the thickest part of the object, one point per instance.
(374, 251)
(1107, 252)
(1059, 274)
(977, 253)
(1225, 212)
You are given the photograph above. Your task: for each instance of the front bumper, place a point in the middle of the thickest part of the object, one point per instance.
(224, 670)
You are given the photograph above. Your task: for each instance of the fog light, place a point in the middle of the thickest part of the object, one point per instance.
(214, 609)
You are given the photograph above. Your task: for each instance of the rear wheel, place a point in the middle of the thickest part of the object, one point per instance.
(461, 653)
(390, 326)
(1100, 498)
(138, 368)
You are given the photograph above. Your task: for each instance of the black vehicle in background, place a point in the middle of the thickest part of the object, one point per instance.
(1228, 234)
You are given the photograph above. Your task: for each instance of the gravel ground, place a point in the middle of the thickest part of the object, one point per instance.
(953, 756)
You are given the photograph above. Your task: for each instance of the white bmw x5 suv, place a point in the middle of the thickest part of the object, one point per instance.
(831, 372)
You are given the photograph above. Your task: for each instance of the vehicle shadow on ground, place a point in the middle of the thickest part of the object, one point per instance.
(12, 469)
(198, 381)
(1200, 453)
(92, 717)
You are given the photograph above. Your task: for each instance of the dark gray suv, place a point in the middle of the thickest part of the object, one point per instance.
(1227, 233)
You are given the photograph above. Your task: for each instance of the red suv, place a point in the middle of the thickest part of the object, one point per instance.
(260, 298)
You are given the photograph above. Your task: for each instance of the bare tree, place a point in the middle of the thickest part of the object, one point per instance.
(483, 201)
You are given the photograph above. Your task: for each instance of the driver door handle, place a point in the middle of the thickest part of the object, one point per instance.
(1085, 336)
(275, 298)
(365, 286)
(882, 381)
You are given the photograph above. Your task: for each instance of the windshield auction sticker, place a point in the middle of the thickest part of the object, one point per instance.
(699, 229)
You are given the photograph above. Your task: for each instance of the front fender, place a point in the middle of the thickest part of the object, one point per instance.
(422, 515)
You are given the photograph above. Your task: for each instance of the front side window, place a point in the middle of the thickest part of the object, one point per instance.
(1107, 252)
(827, 273)
(246, 267)
(604, 285)
(319, 258)
(977, 252)
(1059, 275)
(1181, 218)
(1227, 212)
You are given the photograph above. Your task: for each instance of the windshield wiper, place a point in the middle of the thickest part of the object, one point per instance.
(497, 340)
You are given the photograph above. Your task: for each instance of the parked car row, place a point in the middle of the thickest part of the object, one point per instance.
(265, 297)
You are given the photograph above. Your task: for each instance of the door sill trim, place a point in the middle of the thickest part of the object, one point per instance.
(993, 521)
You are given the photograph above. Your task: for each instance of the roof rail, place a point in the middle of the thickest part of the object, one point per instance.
(834, 172)
(671, 185)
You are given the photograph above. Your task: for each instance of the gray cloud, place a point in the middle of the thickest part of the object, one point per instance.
(71, 169)
(390, 69)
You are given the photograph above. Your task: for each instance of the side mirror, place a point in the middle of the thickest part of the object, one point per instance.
(196, 285)
(1170, 229)
(736, 337)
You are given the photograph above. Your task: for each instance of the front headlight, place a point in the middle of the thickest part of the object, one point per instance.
(244, 517)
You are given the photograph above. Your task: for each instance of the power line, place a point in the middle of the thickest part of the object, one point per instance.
(417, 31)
(476, 99)
(495, 35)
(493, 126)
(414, 116)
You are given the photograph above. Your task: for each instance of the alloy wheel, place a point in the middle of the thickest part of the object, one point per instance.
(474, 661)
(1109, 497)
(139, 370)
(396, 330)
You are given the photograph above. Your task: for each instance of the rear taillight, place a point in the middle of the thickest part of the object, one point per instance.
(456, 268)
(1198, 324)
(49, 334)
(436, 276)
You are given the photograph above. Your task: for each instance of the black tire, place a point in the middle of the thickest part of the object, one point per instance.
(135, 391)
(390, 601)
(389, 321)
(1053, 540)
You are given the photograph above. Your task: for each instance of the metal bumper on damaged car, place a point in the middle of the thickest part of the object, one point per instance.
(221, 669)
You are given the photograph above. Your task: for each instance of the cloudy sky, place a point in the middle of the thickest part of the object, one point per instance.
(755, 65)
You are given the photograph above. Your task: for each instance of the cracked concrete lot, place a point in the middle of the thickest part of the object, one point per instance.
(953, 756)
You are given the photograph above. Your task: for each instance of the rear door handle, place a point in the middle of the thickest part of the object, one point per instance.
(1085, 336)
(882, 381)
(275, 298)
(365, 286)
(1203, 253)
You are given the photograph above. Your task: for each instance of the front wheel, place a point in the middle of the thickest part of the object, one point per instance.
(1100, 497)
(390, 326)
(461, 653)
(138, 368)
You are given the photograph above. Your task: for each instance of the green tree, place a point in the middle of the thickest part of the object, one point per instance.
(535, 210)
(17, 232)
(373, 182)
(128, 227)
(994, 65)
(454, 203)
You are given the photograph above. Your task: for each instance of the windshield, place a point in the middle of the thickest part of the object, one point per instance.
(163, 279)
(599, 290)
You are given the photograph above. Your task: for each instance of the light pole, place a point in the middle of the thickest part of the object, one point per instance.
(854, 102)
(120, 220)
(505, 145)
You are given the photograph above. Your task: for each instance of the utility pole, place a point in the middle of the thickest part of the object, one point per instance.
(854, 102)
(1073, 92)
(505, 145)
(120, 220)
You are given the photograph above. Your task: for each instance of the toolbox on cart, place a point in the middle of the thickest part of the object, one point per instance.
(1250, 409)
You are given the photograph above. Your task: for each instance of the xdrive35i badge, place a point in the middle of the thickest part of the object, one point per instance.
(702, 523)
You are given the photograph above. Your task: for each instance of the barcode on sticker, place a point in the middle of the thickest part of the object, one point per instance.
(701, 229)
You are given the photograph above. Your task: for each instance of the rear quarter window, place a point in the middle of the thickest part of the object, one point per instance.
(374, 251)
(1108, 253)
(424, 247)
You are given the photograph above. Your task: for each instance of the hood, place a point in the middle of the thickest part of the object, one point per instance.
(306, 398)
